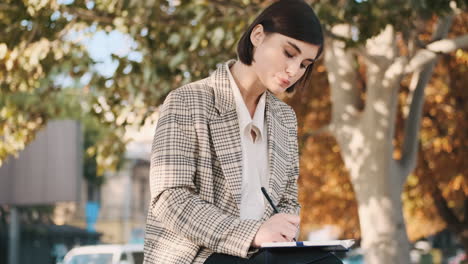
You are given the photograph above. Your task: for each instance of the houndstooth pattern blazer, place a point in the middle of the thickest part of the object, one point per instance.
(196, 173)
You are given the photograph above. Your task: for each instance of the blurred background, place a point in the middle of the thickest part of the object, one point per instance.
(383, 135)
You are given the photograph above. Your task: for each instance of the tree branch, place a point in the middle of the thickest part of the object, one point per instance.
(450, 218)
(465, 208)
(381, 74)
(393, 76)
(89, 15)
(8, 7)
(431, 51)
(32, 34)
(361, 51)
(342, 75)
(334, 36)
(453, 223)
(232, 4)
(59, 35)
(412, 122)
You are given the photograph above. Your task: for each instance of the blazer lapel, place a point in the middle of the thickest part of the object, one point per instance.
(224, 128)
(278, 151)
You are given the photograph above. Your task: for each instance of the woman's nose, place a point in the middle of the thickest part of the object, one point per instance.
(292, 69)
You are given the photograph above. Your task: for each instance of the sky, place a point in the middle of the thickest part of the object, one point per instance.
(101, 45)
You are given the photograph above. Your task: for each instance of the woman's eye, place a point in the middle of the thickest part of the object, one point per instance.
(287, 54)
(303, 66)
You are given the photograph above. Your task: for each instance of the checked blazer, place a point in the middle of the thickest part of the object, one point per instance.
(196, 173)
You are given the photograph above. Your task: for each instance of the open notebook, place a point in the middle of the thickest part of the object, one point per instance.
(329, 245)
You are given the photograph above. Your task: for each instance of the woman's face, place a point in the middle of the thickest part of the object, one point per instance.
(280, 61)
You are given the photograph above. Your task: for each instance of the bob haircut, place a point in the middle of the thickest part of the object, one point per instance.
(292, 18)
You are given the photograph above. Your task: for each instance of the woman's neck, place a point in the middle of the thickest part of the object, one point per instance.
(249, 85)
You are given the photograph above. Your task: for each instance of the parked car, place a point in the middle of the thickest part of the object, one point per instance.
(459, 258)
(105, 254)
(354, 256)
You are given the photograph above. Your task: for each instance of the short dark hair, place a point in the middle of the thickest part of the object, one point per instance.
(292, 18)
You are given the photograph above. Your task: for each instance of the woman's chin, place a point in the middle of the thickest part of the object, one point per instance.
(277, 89)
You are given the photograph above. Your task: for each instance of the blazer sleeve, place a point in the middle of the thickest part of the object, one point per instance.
(174, 199)
(289, 201)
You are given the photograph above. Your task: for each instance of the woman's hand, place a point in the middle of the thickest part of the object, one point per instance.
(279, 228)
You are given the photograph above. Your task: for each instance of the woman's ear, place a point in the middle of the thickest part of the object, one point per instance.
(257, 35)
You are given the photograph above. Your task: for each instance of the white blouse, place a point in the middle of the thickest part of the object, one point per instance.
(255, 163)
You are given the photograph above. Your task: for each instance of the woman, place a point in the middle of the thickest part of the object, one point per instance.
(220, 139)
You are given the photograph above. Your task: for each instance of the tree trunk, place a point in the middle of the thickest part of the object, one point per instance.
(376, 180)
(365, 140)
(383, 227)
(366, 137)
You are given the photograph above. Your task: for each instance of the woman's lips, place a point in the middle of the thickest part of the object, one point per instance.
(284, 82)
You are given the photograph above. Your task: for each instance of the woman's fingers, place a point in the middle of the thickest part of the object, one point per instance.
(293, 219)
(287, 226)
(279, 228)
(288, 232)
